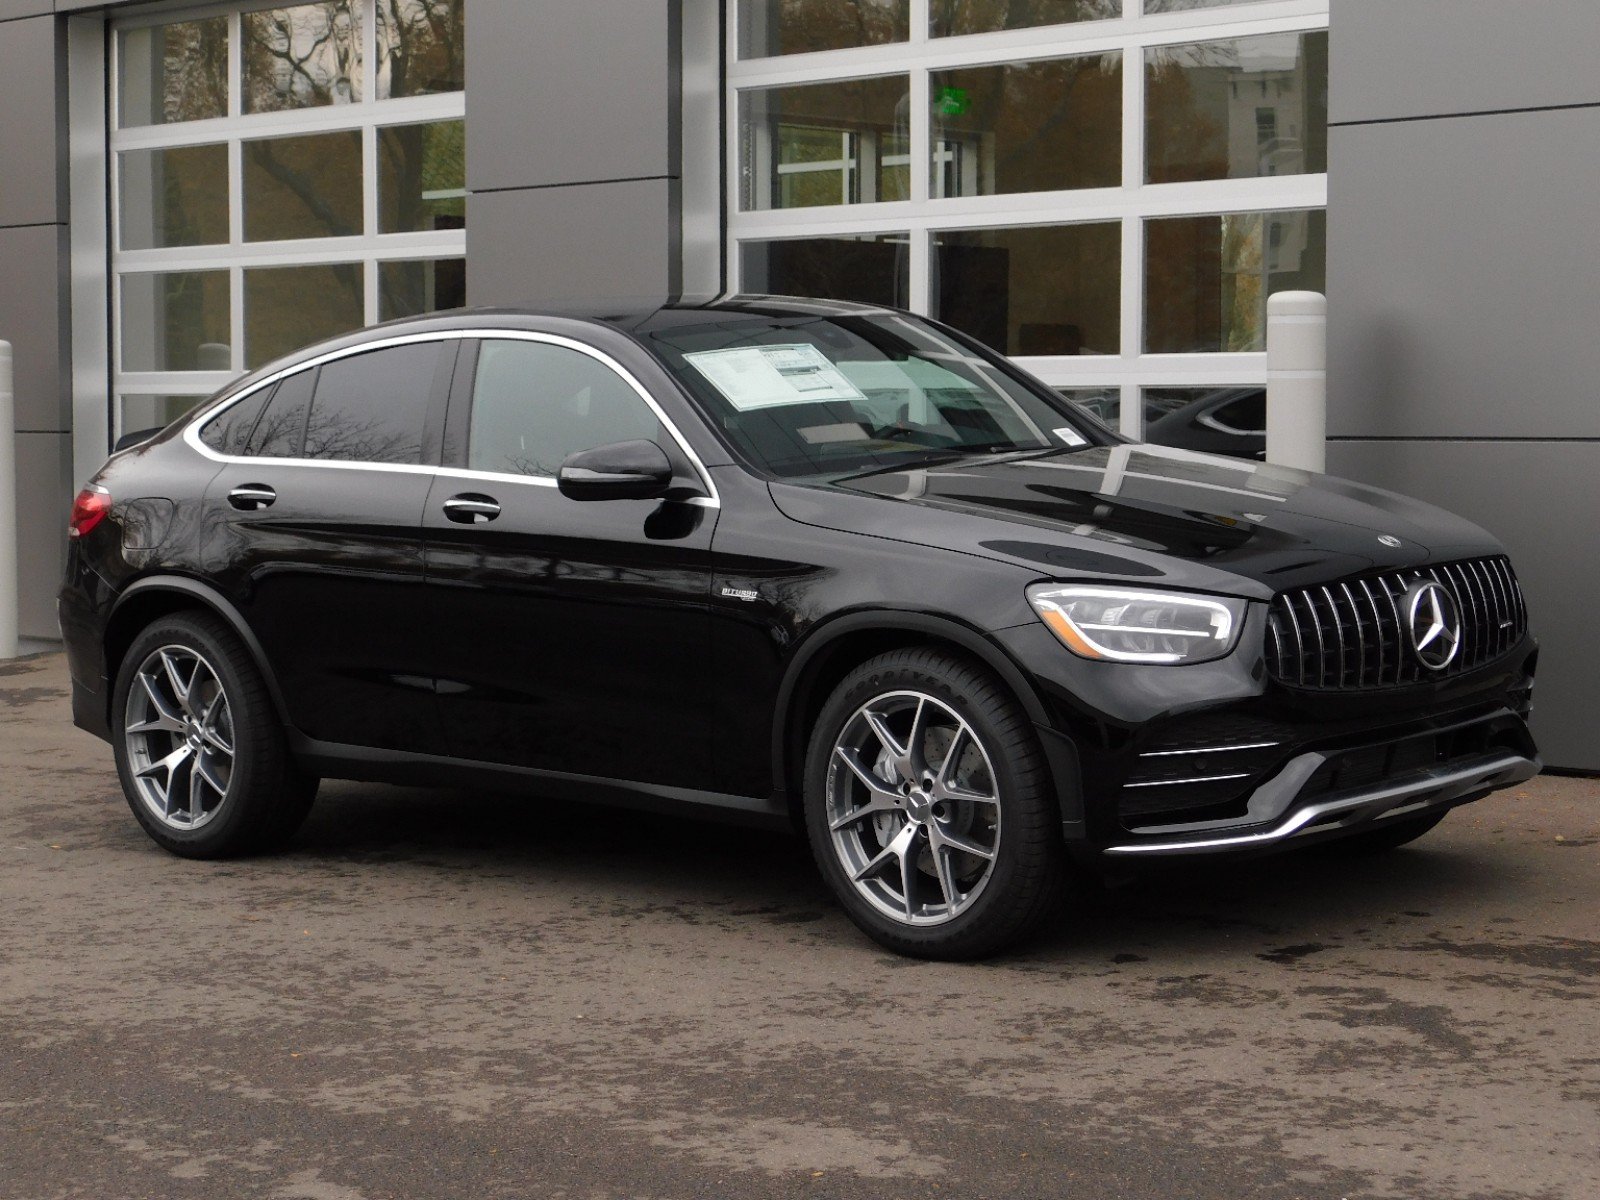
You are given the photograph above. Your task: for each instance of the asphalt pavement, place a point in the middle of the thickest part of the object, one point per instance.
(454, 994)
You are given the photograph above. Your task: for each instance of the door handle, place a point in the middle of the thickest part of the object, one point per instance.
(251, 496)
(470, 508)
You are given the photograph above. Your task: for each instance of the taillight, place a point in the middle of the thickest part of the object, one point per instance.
(91, 507)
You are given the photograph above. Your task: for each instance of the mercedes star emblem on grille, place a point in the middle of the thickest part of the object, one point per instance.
(1434, 622)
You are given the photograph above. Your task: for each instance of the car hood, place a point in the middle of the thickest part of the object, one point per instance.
(1148, 513)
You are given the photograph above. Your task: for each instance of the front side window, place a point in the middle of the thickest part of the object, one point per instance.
(535, 404)
(819, 396)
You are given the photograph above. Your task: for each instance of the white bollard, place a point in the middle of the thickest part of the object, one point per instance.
(8, 508)
(1297, 380)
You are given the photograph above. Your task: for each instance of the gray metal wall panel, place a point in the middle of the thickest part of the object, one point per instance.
(30, 192)
(1409, 58)
(32, 320)
(44, 496)
(1540, 498)
(1462, 264)
(596, 240)
(568, 91)
(10, 10)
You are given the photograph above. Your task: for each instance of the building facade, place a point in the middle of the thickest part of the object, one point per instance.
(1107, 189)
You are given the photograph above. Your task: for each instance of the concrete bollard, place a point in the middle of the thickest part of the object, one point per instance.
(8, 507)
(1297, 380)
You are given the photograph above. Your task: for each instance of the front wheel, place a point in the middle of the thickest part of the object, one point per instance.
(200, 752)
(929, 807)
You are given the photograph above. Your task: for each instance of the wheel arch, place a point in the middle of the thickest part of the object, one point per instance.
(153, 597)
(833, 650)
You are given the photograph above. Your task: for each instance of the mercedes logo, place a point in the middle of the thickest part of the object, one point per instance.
(1435, 624)
(1389, 539)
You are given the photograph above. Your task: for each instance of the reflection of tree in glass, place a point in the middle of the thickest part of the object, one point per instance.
(955, 17)
(194, 69)
(345, 436)
(302, 57)
(801, 26)
(420, 47)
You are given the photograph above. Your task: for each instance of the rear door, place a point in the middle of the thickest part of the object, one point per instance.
(572, 635)
(315, 533)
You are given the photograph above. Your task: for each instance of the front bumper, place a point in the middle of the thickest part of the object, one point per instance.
(1280, 812)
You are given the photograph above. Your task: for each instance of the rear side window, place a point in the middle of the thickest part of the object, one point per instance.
(277, 434)
(230, 432)
(533, 404)
(373, 407)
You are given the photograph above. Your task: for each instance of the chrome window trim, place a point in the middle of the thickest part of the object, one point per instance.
(191, 433)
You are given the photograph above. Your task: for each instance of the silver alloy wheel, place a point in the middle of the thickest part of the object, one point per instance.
(179, 737)
(913, 808)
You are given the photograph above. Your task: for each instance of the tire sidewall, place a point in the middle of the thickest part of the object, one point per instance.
(1020, 808)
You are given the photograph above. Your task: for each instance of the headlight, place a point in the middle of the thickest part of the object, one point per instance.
(1124, 625)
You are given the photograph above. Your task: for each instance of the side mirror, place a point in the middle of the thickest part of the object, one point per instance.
(618, 471)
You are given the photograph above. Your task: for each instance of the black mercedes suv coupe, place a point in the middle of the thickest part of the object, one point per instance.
(795, 561)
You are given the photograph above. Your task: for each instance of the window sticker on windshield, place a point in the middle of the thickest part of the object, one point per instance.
(1070, 436)
(753, 377)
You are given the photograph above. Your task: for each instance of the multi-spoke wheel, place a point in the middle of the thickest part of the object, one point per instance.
(199, 748)
(179, 737)
(929, 807)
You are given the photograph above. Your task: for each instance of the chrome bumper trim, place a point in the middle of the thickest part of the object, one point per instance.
(1275, 800)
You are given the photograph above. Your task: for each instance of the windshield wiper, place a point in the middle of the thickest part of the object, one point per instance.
(938, 457)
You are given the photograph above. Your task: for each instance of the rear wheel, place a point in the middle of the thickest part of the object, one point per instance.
(929, 807)
(200, 752)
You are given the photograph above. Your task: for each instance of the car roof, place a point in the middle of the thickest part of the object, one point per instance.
(636, 316)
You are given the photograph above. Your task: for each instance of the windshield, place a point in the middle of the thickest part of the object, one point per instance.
(829, 395)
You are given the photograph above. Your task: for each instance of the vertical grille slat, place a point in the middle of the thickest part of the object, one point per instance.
(1352, 634)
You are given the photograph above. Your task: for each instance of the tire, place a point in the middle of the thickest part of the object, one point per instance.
(981, 808)
(200, 750)
(1389, 836)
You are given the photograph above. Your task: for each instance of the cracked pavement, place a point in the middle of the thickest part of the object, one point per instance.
(448, 993)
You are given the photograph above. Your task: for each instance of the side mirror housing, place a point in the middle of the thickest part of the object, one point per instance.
(618, 471)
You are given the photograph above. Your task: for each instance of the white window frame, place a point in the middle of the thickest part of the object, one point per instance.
(368, 250)
(1132, 204)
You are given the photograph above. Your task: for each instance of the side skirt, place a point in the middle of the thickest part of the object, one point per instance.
(333, 760)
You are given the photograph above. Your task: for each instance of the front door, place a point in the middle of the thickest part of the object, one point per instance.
(571, 635)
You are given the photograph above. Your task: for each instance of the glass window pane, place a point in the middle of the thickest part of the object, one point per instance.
(954, 17)
(1041, 290)
(302, 57)
(373, 407)
(279, 432)
(409, 289)
(175, 321)
(303, 187)
(1207, 279)
(421, 48)
(422, 177)
(174, 72)
(286, 308)
(175, 197)
(768, 27)
(1171, 6)
(873, 269)
(153, 412)
(1237, 109)
(1028, 127)
(832, 143)
(230, 432)
(534, 405)
(1231, 421)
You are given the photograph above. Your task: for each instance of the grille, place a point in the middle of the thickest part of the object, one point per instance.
(1352, 634)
